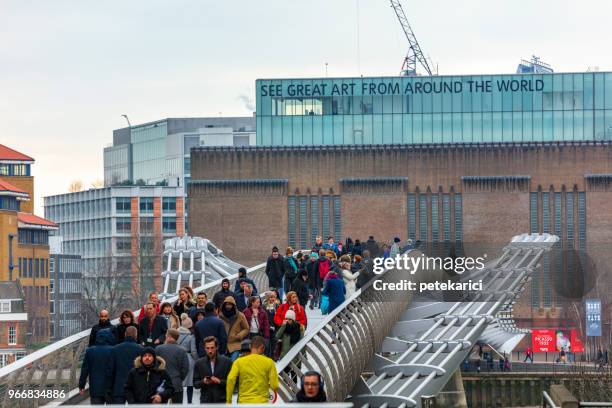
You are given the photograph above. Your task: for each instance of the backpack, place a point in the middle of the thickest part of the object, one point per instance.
(323, 268)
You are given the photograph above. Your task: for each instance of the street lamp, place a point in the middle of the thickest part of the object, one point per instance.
(127, 119)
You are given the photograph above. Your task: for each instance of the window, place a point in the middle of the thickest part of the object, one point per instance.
(146, 225)
(52, 307)
(146, 204)
(12, 336)
(124, 225)
(3, 359)
(20, 355)
(124, 245)
(51, 285)
(169, 225)
(33, 237)
(123, 204)
(5, 306)
(169, 204)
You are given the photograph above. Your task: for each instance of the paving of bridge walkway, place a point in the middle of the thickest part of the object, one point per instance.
(314, 319)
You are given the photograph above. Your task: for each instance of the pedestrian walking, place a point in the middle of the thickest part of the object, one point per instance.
(95, 367)
(103, 323)
(275, 271)
(210, 373)
(183, 303)
(152, 298)
(121, 361)
(168, 313)
(187, 341)
(289, 334)
(256, 375)
(148, 382)
(236, 326)
(177, 363)
(210, 325)
(125, 320)
(152, 328)
(225, 291)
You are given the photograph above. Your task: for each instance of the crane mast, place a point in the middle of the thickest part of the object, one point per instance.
(415, 54)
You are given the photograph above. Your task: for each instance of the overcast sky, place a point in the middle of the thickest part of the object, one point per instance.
(70, 69)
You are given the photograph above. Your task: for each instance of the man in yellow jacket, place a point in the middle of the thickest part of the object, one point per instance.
(257, 375)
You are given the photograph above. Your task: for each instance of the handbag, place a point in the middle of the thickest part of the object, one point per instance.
(324, 304)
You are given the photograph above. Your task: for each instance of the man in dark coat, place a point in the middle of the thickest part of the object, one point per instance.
(242, 298)
(95, 366)
(211, 325)
(152, 329)
(225, 291)
(372, 246)
(275, 270)
(177, 363)
(121, 362)
(242, 277)
(210, 373)
(366, 272)
(148, 382)
(103, 323)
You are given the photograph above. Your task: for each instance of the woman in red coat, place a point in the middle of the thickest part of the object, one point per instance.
(294, 304)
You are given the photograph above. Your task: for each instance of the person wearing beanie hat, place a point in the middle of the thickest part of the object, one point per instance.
(148, 382)
(289, 333)
(187, 341)
(395, 248)
(238, 287)
(225, 291)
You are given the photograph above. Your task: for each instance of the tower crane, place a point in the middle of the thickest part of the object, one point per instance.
(415, 54)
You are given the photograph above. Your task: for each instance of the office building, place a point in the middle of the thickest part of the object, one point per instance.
(440, 109)
(66, 291)
(118, 231)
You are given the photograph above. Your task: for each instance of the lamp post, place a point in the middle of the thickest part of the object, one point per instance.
(128, 120)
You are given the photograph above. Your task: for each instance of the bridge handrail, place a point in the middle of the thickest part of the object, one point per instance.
(361, 322)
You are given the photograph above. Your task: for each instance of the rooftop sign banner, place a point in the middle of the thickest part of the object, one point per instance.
(368, 87)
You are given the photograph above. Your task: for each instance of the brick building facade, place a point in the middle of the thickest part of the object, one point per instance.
(472, 197)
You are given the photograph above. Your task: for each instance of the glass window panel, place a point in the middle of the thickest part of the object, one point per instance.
(457, 128)
(307, 135)
(466, 95)
(447, 102)
(328, 130)
(578, 124)
(287, 138)
(398, 103)
(466, 120)
(428, 136)
(368, 130)
(477, 127)
(417, 128)
(377, 103)
(557, 125)
(437, 133)
(338, 129)
(599, 90)
(297, 131)
(387, 104)
(487, 127)
(437, 99)
(377, 128)
(497, 127)
(317, 130)
(568, 125)
(348, 130)
(527, 123)
(406, 128)
(608, 90)
(397, 128)
(547, 126)
(517, 126)
(588, 125)
(447, 127)
(496, 99)
(588, 91)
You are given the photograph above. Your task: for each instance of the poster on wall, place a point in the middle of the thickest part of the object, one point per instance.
(577, 344)
(543, 340)
(593, 317)
(564, 340)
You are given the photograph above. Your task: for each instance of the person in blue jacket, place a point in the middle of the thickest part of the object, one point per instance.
(121, 362)
(95, 366)
(211, 325)
(334, 288)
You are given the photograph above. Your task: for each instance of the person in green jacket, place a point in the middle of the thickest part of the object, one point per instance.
(289, 333)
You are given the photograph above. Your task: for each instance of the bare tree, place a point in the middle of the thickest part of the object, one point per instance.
(75, 186)
(97, 183)
(104, 289)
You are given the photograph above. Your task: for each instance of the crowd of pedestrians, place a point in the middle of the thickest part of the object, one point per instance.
(227, 342)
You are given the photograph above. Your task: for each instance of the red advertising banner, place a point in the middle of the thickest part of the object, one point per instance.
(577, 345)
(554, 340)
(543, 340)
